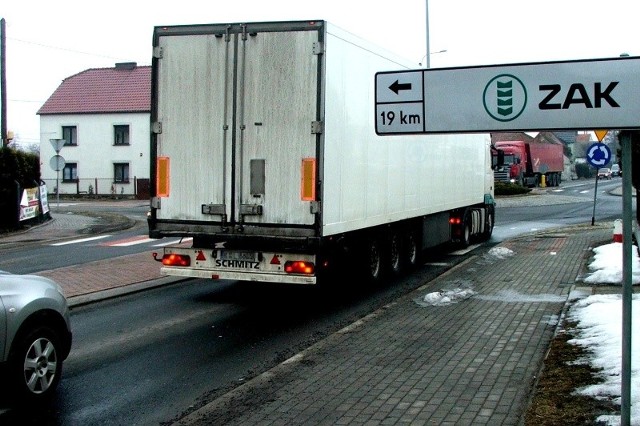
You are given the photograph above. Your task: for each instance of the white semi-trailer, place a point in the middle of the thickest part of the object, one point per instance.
(264, 151)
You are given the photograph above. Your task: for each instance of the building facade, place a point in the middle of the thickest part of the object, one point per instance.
(102, 115)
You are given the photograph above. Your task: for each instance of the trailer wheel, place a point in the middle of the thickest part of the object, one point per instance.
(372, 261)
(410, 250)
(394, 255)
(465, 239)
(488, 225)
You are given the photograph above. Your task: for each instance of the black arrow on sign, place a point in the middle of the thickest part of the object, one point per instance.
(396, 87)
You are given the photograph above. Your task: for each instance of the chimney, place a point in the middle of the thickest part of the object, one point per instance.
(126, 65)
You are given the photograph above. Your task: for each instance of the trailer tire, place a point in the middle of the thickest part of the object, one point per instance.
(488, 225)
(372, 261)
(465, 238)
(411, 251)
(395, 254)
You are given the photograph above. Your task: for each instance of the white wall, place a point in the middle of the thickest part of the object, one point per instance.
(95, 152)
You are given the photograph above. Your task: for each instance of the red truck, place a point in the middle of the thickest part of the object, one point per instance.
(525, 163)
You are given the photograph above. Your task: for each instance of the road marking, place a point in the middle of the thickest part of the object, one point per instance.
(81, 240)
(140, 239)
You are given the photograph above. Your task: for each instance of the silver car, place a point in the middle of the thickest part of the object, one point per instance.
(35, 335)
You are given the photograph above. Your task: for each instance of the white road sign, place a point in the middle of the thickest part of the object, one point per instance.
(590, 94)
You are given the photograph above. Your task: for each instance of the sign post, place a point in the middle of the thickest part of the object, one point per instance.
(598, 155)
(627, 285)
(57, 163)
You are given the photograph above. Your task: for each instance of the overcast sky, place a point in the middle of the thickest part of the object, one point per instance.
(48, 41)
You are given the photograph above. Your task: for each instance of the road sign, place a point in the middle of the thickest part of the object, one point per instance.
(57, 162)
(57, 144)
(598, 155)
(600, 134)
(564, 95)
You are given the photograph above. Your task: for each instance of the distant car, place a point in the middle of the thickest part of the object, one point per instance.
(615, 170)
(35, 336)
(604, 173)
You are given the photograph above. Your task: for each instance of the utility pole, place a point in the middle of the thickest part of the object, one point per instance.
(3, 83)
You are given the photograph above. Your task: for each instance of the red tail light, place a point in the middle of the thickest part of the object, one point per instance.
(176, 260)
(299, 267)
(455, 221)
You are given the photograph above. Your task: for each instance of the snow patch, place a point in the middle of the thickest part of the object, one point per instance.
(501, 252)
(455, 291)
(604, 271)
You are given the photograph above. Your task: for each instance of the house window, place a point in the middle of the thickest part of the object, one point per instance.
(70, 172)
(121, 135)
(121, 172)
(70, 135)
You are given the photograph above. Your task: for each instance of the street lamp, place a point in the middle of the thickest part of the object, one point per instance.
(432, 53)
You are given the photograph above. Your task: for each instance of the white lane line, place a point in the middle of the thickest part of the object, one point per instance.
(130, 242)
(81, 240)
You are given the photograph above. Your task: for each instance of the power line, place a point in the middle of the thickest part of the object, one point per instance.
(25, 100)
(63, 48)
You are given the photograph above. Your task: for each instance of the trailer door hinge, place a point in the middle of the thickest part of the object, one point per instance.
(251, 209)
(318, 48)
(155, 202)
(317, 127)
(156, 127)
(157, 52)
(217, 209)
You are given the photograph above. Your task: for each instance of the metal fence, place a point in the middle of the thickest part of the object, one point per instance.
(99, 187)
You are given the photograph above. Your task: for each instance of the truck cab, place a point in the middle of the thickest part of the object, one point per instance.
(514, 164)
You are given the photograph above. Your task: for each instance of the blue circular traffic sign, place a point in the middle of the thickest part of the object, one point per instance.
(598, 155)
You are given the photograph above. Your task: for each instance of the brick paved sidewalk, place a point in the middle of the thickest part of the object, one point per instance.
(471, 362)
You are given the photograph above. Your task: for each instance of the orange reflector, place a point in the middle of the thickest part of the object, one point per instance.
(275, 260)
(176, 260)
(308, 179)
(299, 267)
(162, 177)
(200, 255)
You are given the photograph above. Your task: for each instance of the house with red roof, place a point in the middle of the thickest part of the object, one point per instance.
(103, 116)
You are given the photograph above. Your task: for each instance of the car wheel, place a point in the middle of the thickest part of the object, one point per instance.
(35, 364)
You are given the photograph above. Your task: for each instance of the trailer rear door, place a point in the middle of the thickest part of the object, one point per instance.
(236, 113)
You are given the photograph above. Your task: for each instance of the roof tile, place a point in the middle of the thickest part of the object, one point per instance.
(102, 90)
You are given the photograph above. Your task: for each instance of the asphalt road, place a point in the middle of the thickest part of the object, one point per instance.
(151, 357)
